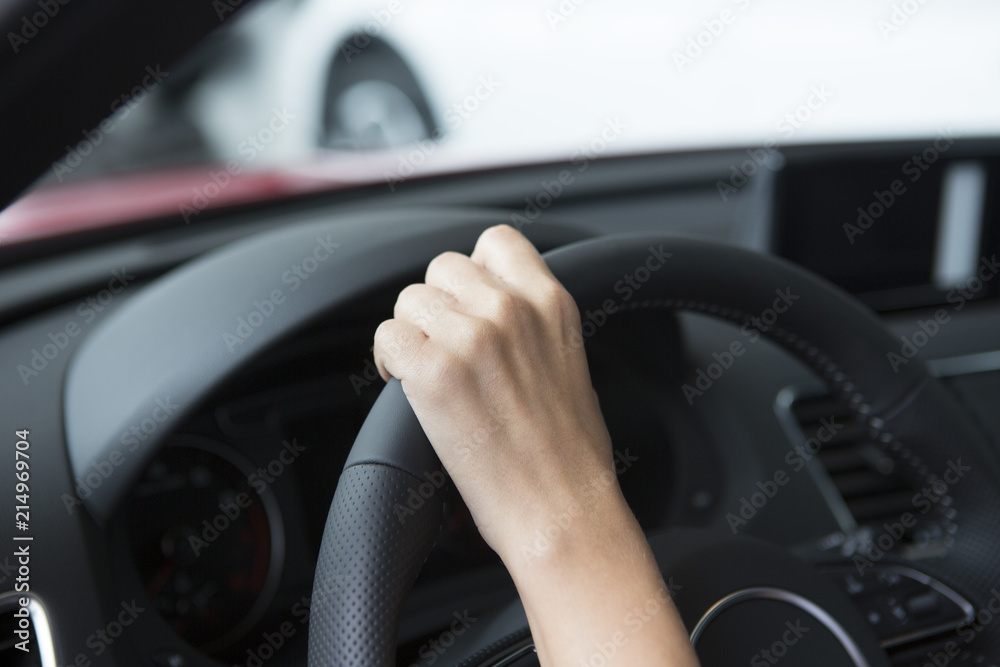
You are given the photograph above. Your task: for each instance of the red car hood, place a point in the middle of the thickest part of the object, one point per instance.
(52, 210)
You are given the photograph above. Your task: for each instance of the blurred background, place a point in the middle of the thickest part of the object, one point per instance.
(388, 86)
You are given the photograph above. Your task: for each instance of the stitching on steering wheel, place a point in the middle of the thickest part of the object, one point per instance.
(828, 370)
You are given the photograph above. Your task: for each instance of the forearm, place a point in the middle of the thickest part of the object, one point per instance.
(593, 593)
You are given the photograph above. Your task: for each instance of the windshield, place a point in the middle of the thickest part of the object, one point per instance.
(387, 90)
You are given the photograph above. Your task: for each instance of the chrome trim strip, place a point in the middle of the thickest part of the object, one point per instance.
(960, 223)
(528, 649)
(40, 621)
(788, 597)
(966, 364)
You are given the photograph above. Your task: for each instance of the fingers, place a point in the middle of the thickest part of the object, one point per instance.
(430, 308)
(398, 345)
(426, 320)
(505, 253)
(464, 301)
(458, 275)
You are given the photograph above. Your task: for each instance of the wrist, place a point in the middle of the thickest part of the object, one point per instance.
(574, 536)
(588, 581)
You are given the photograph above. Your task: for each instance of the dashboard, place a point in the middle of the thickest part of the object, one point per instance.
(218, 536)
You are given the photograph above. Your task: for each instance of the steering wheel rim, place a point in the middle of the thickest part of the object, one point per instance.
(357, 598)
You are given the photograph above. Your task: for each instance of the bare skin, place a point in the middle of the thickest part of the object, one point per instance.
(485, 352)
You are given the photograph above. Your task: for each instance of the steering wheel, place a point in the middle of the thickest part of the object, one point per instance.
(372, 552)
(187, 333)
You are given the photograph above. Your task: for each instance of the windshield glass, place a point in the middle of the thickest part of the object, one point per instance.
(386, 90)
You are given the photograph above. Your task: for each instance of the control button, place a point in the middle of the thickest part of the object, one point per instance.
(888, 578)
(874, 615)
(853, 586)
(170, 659)
(896, 611)
(924, 603)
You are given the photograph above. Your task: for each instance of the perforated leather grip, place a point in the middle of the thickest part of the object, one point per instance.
(382, 524)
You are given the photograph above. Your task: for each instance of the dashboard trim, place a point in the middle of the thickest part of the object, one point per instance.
(788, 597)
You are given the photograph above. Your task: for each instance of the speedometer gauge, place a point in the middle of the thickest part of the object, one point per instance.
(207, 546)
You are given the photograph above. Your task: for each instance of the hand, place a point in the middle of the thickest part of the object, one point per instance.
(485, 353)
(482, 351)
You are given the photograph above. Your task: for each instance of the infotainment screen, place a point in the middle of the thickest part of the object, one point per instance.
(876, 225)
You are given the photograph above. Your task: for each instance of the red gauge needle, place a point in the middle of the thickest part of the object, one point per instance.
(161, 577)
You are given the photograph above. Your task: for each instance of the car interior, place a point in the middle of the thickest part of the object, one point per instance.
(795, 347)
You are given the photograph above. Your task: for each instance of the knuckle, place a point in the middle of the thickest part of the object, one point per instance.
(406, 301)
(444, 370)
(555, 299)
(501, 231)
(480, 335)
(421, 303)
(382, 331)
(386, 341)
(408, 295)
(404, 298)
(504, 308)
(440, 265)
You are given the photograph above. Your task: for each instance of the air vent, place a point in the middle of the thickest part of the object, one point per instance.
(24, 641)
(913, 616)
(869, 482)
